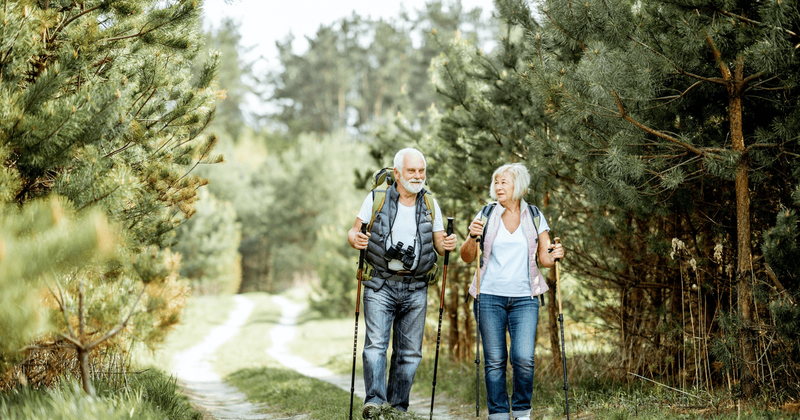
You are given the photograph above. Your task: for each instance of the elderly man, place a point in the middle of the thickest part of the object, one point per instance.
(401, 255)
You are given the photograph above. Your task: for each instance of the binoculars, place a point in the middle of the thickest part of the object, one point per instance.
(397, 253)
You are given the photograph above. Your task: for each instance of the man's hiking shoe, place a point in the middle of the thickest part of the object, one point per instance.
(522, 418)
(371, 411)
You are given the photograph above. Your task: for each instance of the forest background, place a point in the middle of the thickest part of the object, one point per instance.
(661, 136)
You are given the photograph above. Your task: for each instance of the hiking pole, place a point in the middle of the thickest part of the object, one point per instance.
(355, 334)
(561, 321)
(441, 307)
(478, 330)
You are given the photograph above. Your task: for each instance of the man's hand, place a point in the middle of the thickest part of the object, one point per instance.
(357, 239)
(450, 242)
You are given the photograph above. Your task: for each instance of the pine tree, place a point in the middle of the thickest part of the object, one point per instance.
(643, 121)
(45, 236)
(100, 107)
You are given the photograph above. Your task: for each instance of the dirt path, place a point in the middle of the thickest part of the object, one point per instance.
(221, 401)
(284, 332)
(202, 385)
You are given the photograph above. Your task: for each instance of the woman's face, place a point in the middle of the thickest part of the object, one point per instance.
(504, 189)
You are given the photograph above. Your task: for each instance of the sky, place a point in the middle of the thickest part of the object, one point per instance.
(263, 22)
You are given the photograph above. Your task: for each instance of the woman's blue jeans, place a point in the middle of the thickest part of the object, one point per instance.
(393, 307)
(518, 316)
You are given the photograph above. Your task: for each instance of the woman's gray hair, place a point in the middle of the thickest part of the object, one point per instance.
(519, 174)
(398, 157)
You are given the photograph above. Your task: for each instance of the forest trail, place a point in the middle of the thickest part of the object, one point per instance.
(202, 385)
(221, 401)
(285, 331)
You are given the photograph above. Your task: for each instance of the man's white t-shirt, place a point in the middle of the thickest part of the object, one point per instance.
(404, 228)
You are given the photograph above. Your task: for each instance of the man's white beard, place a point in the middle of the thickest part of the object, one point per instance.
(413, 187)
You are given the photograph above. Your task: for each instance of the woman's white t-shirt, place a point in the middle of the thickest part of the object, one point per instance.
(508, 272)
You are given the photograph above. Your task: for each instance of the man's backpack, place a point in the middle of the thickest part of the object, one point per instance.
(382, 179)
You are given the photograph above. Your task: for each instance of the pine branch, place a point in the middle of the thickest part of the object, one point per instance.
(553, 21)
(143, 31)
(70, 20)
(674, 98)
(13, 43)
(97, 199)
(675, 66)
(120, 326)
(62, 306)
(755, 22)
(624, 115)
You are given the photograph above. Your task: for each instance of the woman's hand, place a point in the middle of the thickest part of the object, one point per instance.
(475, 228)
(556, 251)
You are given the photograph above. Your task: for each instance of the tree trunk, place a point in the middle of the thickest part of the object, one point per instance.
(744, 289)
(86, 378)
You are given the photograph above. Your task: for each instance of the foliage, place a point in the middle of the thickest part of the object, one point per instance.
(150, 396)
(358, 74)
(208, 244)
(100, 108)
(43, 237)
(641, 122)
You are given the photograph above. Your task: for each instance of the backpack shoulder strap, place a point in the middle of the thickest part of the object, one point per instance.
(429, 204)
(378, 198)
(486, 212)
(536, 215)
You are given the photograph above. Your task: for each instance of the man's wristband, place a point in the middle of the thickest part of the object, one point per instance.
(473, 236)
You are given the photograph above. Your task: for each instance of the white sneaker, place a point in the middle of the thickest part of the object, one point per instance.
(522, 418)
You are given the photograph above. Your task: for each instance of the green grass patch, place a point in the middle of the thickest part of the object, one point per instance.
(591, 396)
(329, 342)
(289, 393)
(148, 396)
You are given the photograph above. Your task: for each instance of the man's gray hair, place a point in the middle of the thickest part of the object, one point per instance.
(519, 174)
(398, 157)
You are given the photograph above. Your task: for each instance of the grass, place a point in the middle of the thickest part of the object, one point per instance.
(329, 343)
(593, 397)
(149, 396)
(289, 393)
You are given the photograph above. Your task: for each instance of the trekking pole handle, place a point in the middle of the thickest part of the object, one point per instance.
(362, 252)
(557, 241)
(449, 232)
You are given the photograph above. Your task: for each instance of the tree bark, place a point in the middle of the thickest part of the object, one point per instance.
(744, 290)
(86, 378)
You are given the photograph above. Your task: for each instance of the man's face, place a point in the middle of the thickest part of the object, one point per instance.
(412, 177)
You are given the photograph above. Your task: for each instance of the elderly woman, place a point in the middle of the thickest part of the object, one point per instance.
(512, 235)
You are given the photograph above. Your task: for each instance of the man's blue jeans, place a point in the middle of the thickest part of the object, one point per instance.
(393, 306)
(518, 315)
